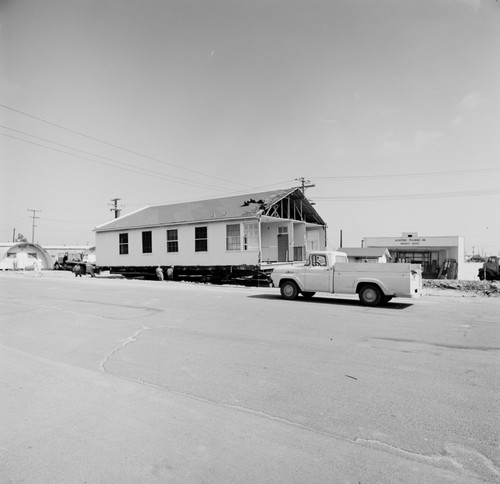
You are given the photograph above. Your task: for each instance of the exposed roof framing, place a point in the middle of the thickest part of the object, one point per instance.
(294, 206)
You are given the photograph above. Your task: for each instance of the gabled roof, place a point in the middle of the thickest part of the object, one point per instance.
(250, 205)
(366, 251)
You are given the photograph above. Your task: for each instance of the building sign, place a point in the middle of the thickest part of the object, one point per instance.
(410, 241)
(421, 243)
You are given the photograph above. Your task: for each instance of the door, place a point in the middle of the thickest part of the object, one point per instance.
(318, 274)
(282, 247)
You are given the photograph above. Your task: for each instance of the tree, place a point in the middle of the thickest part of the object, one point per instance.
(21, 238)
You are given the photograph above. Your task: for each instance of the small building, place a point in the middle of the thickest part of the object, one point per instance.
(252, 229)
(440, 256)
(367, 254)
(22, 255)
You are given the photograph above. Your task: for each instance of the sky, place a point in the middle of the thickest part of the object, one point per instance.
(390, 108)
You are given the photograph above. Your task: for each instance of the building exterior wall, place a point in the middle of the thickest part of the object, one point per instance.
(438, 248)
(108, 254)
(269, 239)
(469, 271)
(302, 238)
(315, 238)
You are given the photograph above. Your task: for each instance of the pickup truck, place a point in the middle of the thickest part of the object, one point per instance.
(329, 271)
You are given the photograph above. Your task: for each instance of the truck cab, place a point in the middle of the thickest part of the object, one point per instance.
(490, 270)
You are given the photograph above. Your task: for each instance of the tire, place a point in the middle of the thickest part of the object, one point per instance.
(370, 295)
(289, 290)
(308, 295)
(386, 299)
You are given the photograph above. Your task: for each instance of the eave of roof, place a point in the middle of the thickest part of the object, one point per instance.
(229, 208)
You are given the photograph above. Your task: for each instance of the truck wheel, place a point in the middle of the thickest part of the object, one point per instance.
(289, 290)
(308, 295)
(370, 295)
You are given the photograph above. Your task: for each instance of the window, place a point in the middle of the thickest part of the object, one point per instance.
(233, 241)
(172, 241)
(123, 243)
(147, 242)
(251, 236)
(200, 239)
(318, 260)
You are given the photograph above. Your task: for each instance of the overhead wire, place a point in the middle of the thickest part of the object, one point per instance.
(131, 168)
(407, 196)
(127, 150)
(409, 175)
(148, 172)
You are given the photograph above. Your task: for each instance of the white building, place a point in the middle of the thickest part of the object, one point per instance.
(22, 255)
(251, 229)
(439, 256)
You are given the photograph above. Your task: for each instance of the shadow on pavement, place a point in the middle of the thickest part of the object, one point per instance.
(394, 305)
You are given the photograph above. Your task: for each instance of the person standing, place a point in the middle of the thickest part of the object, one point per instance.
(77, 269)
(37, 267)
(159, 273)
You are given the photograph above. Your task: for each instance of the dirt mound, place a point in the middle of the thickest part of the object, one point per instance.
(471, 288)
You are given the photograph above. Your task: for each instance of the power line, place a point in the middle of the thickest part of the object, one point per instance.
(409, 196)
(135, 169)
(171, 177)
(118, 147)
(65, 221)
(409, 175)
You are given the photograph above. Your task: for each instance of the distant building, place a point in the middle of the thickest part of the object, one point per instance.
(253, 229)
(439, 256)
(22, 255)
(367, 254)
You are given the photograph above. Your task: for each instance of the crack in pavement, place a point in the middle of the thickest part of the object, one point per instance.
(444, 461)
(126, 341)
(451, 455)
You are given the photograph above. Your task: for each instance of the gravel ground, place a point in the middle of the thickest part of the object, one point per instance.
(446, 287)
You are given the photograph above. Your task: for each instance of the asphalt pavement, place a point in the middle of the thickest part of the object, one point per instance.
(109, 380)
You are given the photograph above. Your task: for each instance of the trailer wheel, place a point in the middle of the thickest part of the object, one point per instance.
(370, 295)
(308, 295)
(289, 290)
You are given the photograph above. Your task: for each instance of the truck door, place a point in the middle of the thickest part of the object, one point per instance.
(318, 274)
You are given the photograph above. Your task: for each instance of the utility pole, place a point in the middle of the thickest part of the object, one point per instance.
(33, 216)
(303, 182)
(114, 207)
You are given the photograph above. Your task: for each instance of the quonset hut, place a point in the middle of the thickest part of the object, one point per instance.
(22, 255)
(232, 239)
